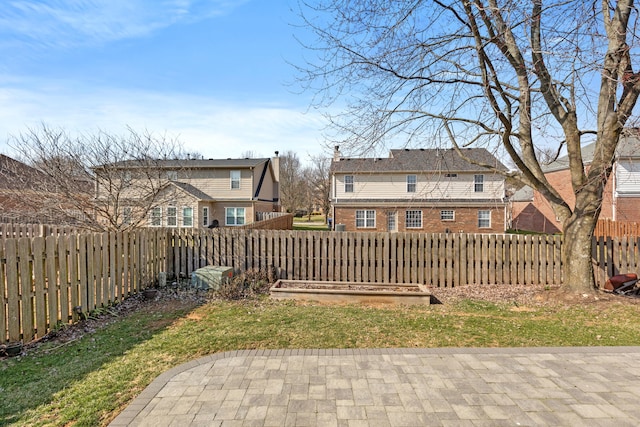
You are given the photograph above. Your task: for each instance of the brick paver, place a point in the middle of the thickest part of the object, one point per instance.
(396, 387)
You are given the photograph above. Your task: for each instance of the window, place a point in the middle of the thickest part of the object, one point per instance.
(235, 180)
(205, 216)
(411, 183)
(365, 219)
(126, 177)
(156, 217)
(348, 183)
(172, 216)
(413, 219)
(478, 183)
(484, 219)
(447, 215)
(391, 221)
(172, 175)
(187, 216)
(234, 216)
(126, 216)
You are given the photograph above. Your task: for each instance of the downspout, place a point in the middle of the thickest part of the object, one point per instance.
(614, 192)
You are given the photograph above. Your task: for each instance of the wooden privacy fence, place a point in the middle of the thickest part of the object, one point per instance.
(609, 228)
(437, 259)
(271, 221)
(44, 279)
(15, 231)
(440, 260)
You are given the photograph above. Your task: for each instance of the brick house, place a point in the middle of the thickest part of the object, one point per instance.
(197, 193)
(423, 190)
(621, 199)
(27, 194)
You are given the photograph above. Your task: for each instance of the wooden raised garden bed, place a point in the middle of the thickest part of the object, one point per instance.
(351, 292)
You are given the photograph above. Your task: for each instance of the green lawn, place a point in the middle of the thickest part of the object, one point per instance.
(89, 381)
(315, 224)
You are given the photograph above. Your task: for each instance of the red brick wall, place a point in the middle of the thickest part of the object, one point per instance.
(466, 219)
(539, 215)
(628, 209)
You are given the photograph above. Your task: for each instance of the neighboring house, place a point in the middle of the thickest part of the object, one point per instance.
(621, 198)
(424, 190)
(22, 197)
(197, 192)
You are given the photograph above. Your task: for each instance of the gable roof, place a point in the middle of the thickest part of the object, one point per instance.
(15, 174)
(628, 148)
(191, 163)
(191, 190)
(419, 160)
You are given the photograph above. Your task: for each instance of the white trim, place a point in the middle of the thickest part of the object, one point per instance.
(365, 218)
(484, 219)
(152, 216)
(184, 216)
(235, 216)
(232, 179)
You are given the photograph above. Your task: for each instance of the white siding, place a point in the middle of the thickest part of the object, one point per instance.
(428, 186)
(628, 177)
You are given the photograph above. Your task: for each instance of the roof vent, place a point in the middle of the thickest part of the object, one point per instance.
(406, 149)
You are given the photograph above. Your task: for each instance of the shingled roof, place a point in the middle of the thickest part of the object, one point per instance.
(420, 160)
(192, 163)
(628, 147)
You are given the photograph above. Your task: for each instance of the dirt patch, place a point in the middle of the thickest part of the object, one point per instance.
(522, 296)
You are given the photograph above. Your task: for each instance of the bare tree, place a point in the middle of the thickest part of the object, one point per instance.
(510, 75)
(251, 154)
(99, 181)
(320, 179)
(292, 190)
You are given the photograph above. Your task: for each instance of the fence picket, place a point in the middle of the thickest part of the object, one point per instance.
(26, 293)
(3, 299)
(40, 284)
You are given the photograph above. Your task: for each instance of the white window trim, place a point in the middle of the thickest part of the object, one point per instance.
(226, 216)
(172, 216)
(232, 179)
(414, 183)
(366, 218)
(392, 217)
(453, 215)
(184, 216)
(484, 219)
(478, 180)
(406, 218)
(352, 183)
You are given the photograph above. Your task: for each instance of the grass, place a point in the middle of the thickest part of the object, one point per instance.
(89, 381)
(315, 224)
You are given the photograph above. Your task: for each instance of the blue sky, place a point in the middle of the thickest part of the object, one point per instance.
(212, 73)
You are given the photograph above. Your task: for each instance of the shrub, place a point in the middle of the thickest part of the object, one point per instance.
(248, 284)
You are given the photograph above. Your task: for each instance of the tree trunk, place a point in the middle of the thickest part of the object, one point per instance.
(577, 263)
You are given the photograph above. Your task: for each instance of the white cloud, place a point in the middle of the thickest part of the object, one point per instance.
(206, 125)
(68, 23)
